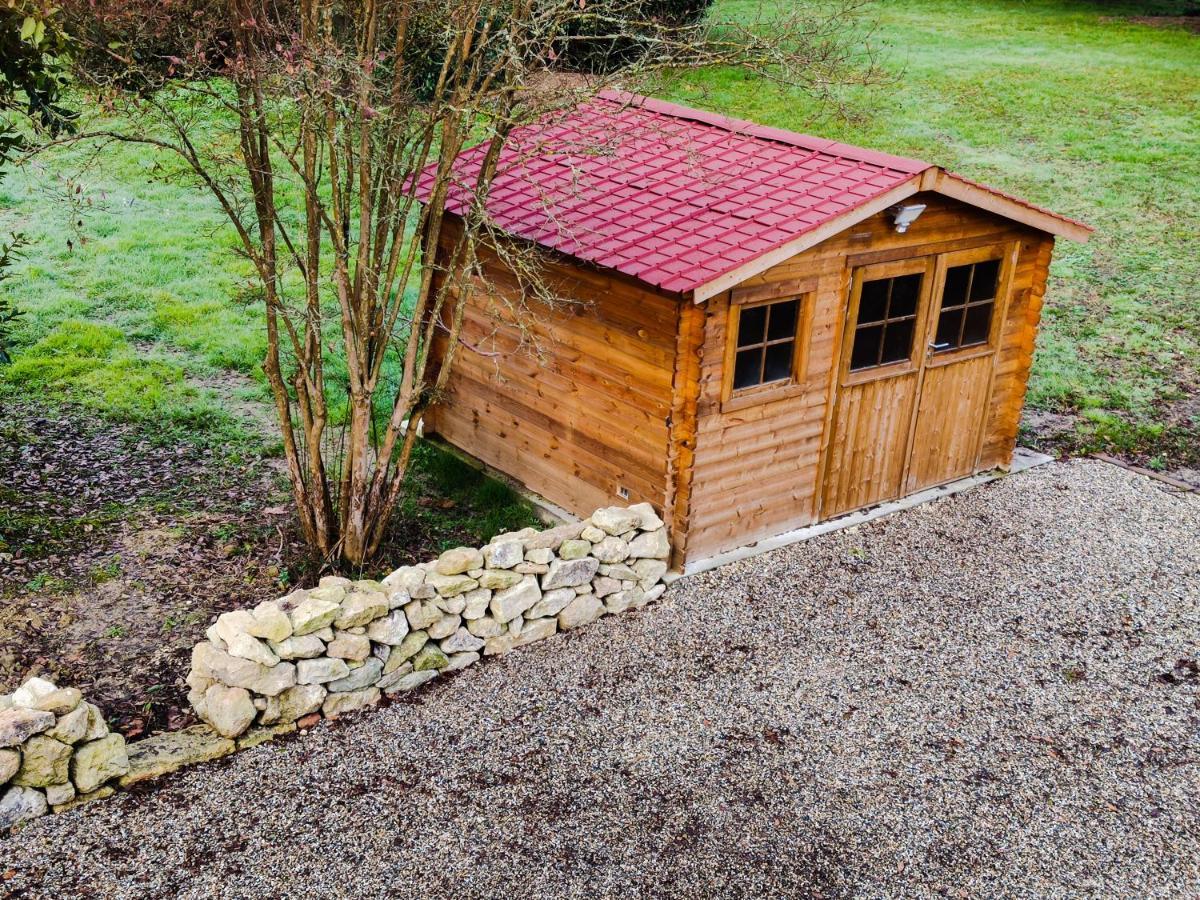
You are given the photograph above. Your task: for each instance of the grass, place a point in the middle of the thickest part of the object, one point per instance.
(1073, 107)
(136, 299)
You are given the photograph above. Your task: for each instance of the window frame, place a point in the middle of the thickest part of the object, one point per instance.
(914, 265)
(799, 291)
(1005, 254)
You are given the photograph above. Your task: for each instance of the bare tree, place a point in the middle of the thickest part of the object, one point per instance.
(309, 123)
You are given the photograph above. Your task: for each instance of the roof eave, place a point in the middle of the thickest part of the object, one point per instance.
(932, 179)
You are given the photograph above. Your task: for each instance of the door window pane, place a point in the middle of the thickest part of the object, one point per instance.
(887, 323)
(968, 301)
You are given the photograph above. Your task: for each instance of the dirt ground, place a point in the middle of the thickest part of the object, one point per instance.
(117, 553)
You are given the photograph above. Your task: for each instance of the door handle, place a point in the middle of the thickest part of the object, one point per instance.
(945, 345)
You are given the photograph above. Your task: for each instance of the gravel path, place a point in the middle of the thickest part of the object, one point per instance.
(983, 696)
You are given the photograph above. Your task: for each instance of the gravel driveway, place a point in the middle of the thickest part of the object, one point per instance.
(994, 695)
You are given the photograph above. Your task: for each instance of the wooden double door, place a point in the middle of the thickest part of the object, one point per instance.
(912, 390)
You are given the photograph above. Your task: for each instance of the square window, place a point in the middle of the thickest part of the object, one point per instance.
(766, 343)
(884, 334)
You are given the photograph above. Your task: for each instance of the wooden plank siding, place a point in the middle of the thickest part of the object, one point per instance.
(760, 470)
(627, 387)
(573, 400)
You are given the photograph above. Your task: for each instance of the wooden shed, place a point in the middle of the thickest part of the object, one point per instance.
(770, 330)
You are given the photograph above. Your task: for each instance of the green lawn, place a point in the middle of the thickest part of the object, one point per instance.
(142, 308)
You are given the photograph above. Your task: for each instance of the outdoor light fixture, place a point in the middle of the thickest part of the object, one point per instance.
(905, 214)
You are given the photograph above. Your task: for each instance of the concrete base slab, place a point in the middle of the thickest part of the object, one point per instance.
(1023, 459)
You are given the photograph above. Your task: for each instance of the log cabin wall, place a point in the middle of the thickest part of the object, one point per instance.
(573, 402)
(758, 466)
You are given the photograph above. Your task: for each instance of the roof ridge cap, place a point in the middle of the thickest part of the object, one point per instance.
(766, 132)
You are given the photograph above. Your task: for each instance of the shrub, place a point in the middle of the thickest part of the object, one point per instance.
(597, 45)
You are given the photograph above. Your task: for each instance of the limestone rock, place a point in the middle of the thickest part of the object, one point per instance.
(60, 701)
(99, 761)
(616, 519)
(313, 614)
(462, 641)
(335, 581)
(444, 627)
(649, 572)
(508, 604)
(344, 645)
(611, 550)
(539, 555)
(652, 544)
(10, 761)
(535, 631)
(410, 680)
(406, 650)
(653, 594)
(33, 690)
(623, 600)
(82, 799)
(163, 753)
(530, 568)
(229, 710)
(270, 622)
(297, 702)
(364, 676)
(58, 794)
(570, 573)
(475, 603)
(262, 734)
(619, 571)
(43, 762)
(449, 585)
(97, 727)
(575, 549)
(429, 657)
(583, 609)
(233, 623)
(274, 681)
(552, 603)
(458, 561)
(503, 555)
(18, 724)
(72, 727)
(422, 613)
(453, 605)
(552, 538)
(649, 518)
(602, 585)
(461, 661)
(361, 608)
(243, 646)
(339, 704)
(485, 627)
(499, 579)
(498, 645)
(307, 646)
(405, 579)
(591, 534)
(320, 670)
(389, 630)
(20, 804)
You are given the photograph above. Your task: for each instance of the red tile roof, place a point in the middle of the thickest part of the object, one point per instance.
(671, 196)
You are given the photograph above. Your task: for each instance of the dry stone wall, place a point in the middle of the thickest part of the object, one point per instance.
(55, 752)
(339, 646)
